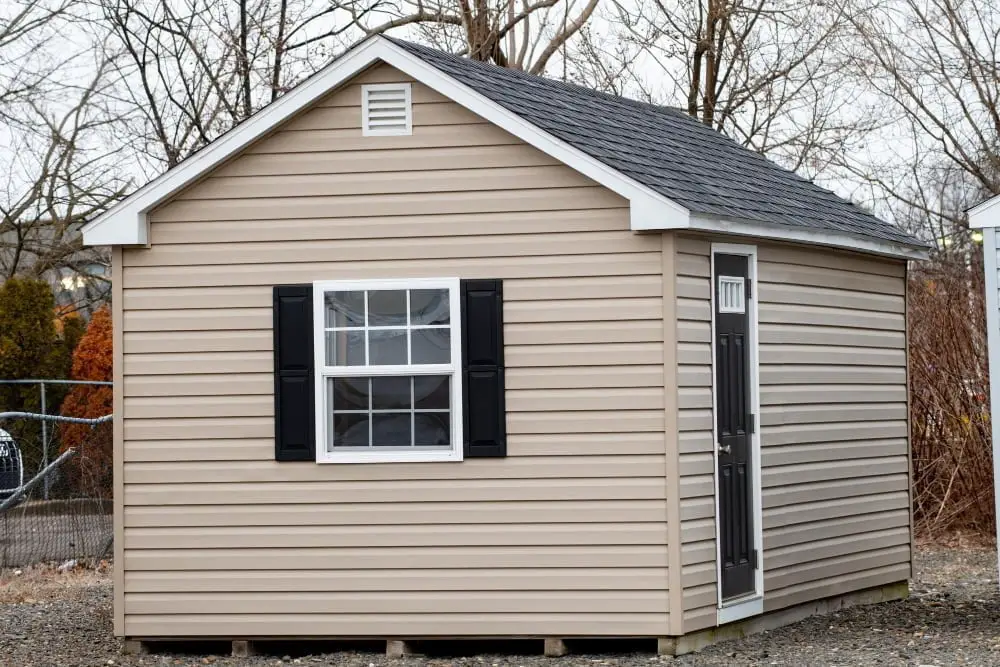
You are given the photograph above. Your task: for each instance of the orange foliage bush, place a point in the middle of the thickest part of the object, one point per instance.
(92, 360)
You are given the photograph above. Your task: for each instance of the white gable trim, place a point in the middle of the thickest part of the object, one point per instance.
(810, 236)
(985, 214)
(126, 223)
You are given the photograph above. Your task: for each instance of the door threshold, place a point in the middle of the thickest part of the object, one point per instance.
(740, 608)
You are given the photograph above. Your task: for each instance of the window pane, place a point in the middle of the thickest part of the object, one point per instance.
(431, 428)
(391, 430)
(431, 346)
(431, 392)
(350, 430)
(350, 393)
(389, 393)
(345, 309)
(429, 306)
(386, 308)
(345, 348)
(387, 347)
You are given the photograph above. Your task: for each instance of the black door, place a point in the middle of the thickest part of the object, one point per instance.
(734, 423)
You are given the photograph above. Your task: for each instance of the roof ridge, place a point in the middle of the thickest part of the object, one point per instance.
(520, 73)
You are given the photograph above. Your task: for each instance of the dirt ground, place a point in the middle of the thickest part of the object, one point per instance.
(27, 537)
(51, 619)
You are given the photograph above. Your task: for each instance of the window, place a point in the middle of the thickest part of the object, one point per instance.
(388, 360)
(386, 110)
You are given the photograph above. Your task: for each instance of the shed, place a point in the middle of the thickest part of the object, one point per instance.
(986, 216)
(424, 349)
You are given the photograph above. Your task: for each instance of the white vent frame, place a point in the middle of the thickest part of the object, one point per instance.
(395, 130)
(732, 294)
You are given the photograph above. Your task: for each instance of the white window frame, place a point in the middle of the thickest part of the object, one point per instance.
(322, 372)
(366, 129)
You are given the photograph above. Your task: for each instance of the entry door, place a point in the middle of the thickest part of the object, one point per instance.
(734, 425)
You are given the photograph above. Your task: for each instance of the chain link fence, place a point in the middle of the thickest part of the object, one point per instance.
(55, 489)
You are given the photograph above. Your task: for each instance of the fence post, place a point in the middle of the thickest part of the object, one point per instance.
(45, 442)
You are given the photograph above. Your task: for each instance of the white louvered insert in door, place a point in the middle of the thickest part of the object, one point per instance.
(386, 110)
(731, 294)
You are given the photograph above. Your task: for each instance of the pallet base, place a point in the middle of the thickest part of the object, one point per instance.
(553, 647)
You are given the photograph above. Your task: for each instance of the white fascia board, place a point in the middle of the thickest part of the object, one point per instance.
(985, 214)
(126, 224)
(809, 236)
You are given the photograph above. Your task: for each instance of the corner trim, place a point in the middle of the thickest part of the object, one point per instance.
(672, 534)
(118, 438)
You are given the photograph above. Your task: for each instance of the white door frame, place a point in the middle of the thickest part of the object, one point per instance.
(752, 604)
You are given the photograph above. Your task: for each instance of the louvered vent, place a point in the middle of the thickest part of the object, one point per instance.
(731, 295)
(386, 110)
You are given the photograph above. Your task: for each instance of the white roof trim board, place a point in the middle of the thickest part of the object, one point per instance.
(985, 214)
(126, 223)
(807, 236)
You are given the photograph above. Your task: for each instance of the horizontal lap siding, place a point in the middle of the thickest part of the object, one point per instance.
(564, 536)
(833, 423)
(697, 449)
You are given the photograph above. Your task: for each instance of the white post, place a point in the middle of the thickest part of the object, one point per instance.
(45, 441)
(993, 348)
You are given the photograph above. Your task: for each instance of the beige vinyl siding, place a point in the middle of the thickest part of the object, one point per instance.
(833, 424)
(695, 442)
(567, 535)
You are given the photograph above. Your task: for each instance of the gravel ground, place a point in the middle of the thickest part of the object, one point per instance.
(951, 618)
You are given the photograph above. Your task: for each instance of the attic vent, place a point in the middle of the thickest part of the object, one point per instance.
(386, 110)
(731, 295)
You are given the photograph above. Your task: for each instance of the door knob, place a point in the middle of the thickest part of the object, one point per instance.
(725, 449)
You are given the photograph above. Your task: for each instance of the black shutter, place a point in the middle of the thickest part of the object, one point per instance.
(294, 404)
(484, 424)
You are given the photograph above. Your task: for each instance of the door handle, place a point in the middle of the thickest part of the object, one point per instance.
(725, 449)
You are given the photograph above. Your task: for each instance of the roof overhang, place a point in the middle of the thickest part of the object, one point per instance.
(702, 223)
(985, 213)
(127, 223)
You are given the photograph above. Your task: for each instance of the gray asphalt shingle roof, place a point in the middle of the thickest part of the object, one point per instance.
(667, 151)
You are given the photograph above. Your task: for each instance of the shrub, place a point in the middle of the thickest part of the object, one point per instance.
(30, 347)
(92, 360)
(949, 398)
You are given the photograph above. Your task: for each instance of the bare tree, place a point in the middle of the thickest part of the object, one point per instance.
(26, 26)
(931, 65)
(65, 176)
(54, 140)
(526, 35)
(761, 72)
(192, 69)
